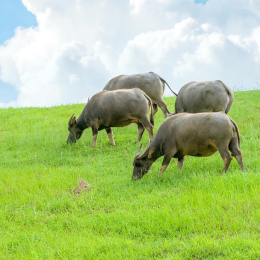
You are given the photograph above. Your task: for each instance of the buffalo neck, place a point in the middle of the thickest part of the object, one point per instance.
(157, 151)
(81, 123)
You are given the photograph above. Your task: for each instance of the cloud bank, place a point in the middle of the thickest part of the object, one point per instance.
(79, 45)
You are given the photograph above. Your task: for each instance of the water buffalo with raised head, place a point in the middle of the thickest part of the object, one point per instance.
(152, 84)
(116, 108)
(206, 96)
(199, 135)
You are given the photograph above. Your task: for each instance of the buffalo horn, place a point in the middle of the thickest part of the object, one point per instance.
(139, 150)
(145, 152)
(70, 121)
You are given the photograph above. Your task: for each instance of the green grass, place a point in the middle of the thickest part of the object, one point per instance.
(195, 213)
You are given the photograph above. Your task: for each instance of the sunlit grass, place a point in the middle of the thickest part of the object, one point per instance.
(195, 213)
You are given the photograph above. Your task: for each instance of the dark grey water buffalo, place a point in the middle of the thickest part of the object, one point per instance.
(150, 83)
(199, 135)
(206, 96)
(115, 108)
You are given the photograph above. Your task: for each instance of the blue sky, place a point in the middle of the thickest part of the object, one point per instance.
(201, 1)
(12, 14)
(77, 46)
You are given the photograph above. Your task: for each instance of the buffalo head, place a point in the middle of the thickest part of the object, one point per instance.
(142, 163)
(74, 131)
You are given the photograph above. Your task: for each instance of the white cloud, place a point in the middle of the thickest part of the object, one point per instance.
(79, 45)
(191, 51)
(136, 5)
(256, 36)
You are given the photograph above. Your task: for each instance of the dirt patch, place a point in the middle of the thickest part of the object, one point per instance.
(82, 187)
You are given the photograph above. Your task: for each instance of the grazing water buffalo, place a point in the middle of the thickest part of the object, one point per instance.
(150, 83)
(206, 96)
(183, 134)
(109, 109)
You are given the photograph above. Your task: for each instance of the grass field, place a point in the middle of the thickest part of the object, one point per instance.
(196, 213)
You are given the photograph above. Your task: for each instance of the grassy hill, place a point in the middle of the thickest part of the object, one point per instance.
(196, 213)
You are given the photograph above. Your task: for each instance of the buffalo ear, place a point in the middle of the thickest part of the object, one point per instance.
(73, 121)
(150, 153)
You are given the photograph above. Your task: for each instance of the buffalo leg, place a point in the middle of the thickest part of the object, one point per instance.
(166, 160)
(155, 108)
(165, 163)
(163, 107)
(94, 133)
(148, 126)
(180, 162)
(110, 136)
(140, 132)
(226, 156)
(233, 147)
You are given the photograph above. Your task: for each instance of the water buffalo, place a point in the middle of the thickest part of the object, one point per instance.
(206, 96)
(199, 135)
(116, 108)
(151, 83)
